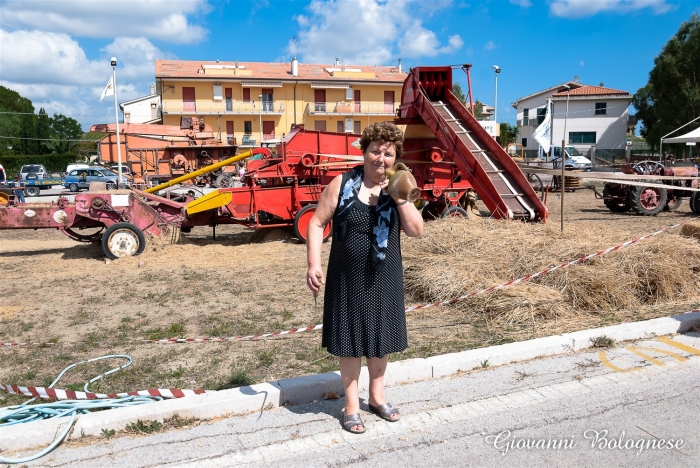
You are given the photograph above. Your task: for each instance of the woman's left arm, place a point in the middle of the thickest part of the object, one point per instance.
(411, 218)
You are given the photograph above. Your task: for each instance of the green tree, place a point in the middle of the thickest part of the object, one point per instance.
(29, 143)
(459, 94)
(66, 128)
(478, 110)
(509, 134)
(43, 128)
(54, 147)
(671, 97)
(12, 107)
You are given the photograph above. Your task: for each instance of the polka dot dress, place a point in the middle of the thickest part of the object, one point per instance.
(363, 313)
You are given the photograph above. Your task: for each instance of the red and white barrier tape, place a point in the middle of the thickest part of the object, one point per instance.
(58, 394)
(407, 309)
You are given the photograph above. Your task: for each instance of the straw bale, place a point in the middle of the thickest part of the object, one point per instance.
(691, 229)
(455, 258)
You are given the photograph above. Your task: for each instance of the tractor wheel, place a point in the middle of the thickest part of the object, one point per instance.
(123, 240)
(454, 212)
(673, 203)
(615, 202)
(32, 191)
(301, 223)
(73, 187)
(695, 203)
(224, 181)
(648, 201)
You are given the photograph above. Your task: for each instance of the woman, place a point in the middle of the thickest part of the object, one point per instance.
(364, 298)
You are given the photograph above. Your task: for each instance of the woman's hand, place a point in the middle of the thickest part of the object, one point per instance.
(315, 278)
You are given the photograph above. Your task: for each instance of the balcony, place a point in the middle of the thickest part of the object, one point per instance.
(222, 108)
(351, 108)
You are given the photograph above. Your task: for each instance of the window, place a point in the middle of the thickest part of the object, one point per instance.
(526, 117)
(248, 127)
(358, 104)
(541, 113)
(268, 128)
(267, 100)
(320, 101)
(229, 100)
(217, 92)
(188, 100)
(229, 127)
(524, 142)
(582, 137)
(246, 94)
(320, 125)
(357, 127)
(341, 126)
(601, 108)
(389, 102)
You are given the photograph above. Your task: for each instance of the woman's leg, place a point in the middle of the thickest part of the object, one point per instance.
(350, 373)
(376, 367)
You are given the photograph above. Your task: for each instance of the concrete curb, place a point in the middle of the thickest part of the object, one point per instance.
(308, 388)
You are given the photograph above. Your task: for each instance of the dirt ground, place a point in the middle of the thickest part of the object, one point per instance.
(57, 291)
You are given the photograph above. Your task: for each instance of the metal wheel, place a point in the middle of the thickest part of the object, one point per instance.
(32, 191)
(648, 201)
(302, 220)
(673, 203)
(111, 186)
(648, 167)
(616, 199)
(224, 181)
(123, 240)
(73, 187)
(454, 212)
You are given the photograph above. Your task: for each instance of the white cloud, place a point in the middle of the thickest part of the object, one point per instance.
(369, 31)
(522, 3)
(582, 8)
(157, 19)
(490, 45)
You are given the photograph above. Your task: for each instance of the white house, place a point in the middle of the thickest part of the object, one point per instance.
(597, 116)
(142, 110)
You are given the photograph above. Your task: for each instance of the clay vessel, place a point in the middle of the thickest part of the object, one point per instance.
(402, 184)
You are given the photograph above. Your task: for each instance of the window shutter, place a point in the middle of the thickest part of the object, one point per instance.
(218, 93)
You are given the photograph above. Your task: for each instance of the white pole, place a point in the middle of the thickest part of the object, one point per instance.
(260, 103)
(116, 120)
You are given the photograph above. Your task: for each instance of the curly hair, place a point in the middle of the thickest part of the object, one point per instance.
(385, 132)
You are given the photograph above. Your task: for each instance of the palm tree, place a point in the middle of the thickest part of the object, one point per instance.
(57, 146)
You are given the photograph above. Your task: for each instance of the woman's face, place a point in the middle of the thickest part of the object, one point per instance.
(379, 157)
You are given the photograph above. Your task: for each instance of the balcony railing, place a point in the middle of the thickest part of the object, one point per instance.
(351, 108)
(236, 107)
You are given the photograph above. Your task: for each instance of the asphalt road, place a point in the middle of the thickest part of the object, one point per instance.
(633, 405)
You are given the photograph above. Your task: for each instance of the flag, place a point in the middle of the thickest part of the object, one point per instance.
(109, 89)
(542, 133)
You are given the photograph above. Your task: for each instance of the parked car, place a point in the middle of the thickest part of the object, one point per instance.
(79, 179)
(33, 172)
(77, 166)
(579, 163)
(126, 171)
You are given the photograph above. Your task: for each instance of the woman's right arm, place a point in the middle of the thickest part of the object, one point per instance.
(314, 234)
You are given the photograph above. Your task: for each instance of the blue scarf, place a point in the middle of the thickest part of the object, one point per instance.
(383, 215)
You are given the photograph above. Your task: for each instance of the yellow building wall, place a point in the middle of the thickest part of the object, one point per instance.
(214, 113)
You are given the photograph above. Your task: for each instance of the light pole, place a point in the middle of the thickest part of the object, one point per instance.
(113, 62)
(260, 103)
(563, 155)
(497, 69)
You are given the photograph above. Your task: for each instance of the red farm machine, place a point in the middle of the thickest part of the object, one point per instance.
(447, 150)
(665, 193)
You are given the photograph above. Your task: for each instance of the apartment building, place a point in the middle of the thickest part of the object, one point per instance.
(597, 116)
(248, 103)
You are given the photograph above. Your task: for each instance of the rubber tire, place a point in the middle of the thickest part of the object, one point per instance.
(114, 228)
(111, 186)
(635, 198)
(73, 187)
(616, 206)
(301, 223)
(454, 212)
(32, 191)
(223, 181)
(694, 202)
(671, 206)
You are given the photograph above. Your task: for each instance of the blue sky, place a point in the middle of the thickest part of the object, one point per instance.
(56, 52)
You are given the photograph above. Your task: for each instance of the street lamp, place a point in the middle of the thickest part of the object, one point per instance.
(497, 69)
(260, 101)
(563, 154)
